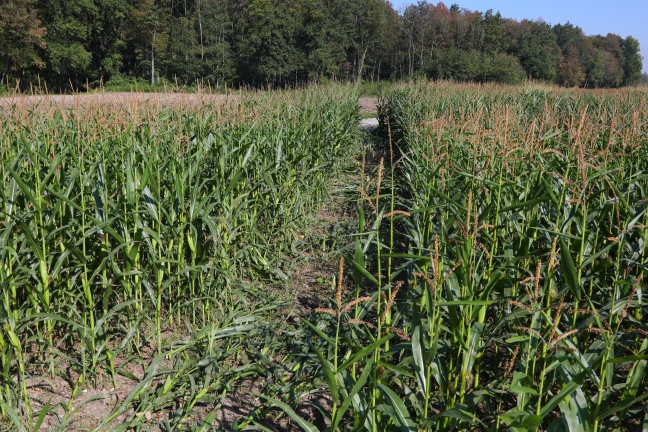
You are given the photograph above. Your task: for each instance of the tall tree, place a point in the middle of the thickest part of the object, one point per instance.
(280, 42)
(183, 48)
(575, 52)
(494, 32)
(107, 39)
(419, 32)
(68, 39)
(218, 64)
(632, 64)
(538, 50)
(321, 39)
(267, 46)
(383, 55)
(570, 71)
(22, 39)
(148, 31)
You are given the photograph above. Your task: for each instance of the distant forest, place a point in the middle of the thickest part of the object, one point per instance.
(277, 43)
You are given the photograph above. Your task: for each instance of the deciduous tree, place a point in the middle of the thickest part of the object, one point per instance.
(22, 40)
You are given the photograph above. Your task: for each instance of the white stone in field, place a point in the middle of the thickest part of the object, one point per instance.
(369, 124)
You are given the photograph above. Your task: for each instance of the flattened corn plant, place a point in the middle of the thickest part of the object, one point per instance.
(126, 226)
(498, 271)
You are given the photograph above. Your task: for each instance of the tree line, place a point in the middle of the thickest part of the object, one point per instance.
(284, 42)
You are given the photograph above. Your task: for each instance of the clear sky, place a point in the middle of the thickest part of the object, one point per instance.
(623, 17)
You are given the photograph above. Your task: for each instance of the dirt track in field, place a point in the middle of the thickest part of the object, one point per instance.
(368, 105)
(121, 99)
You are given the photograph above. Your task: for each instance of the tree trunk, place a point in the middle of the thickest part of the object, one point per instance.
(361, 65)
(202, 48)
(153, 58)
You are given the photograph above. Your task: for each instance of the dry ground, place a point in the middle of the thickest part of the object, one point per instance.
(121, 99)
(368, 105)
(78, 101)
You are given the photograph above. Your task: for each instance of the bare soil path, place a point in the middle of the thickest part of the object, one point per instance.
(368, 105)
(116, 98)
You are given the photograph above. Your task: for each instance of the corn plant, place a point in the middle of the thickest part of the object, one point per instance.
(121, 226)
(513, 277)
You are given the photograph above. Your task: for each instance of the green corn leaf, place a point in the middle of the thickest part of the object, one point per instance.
(460, 414)
(319, 332)
(305, 425)
(256, 427)
(396, 369)
(9, 197)
(628, 359)
(622, 406)
(13, 416)
(473, 347)
(401, 417)
(549, 190)
(26, 190)
(329, 374)
(41, 416)
(359, 260)
(468, 303)
(417, 354)
(569, 270)
(600, 253)
(355, 390)
(35, 246)
(567, 389)
(636, 375)
(522, 389)
(530, 203)
(364, 352)
(362, 271)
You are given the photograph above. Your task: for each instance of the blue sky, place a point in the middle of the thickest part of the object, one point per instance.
(623, 17)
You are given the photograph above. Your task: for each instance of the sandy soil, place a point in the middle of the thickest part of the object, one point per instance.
(117, 99)
(368, 105)
(75, 101)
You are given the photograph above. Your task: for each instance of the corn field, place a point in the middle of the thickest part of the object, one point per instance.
(496, 279)
(144, 228)
(491, 276)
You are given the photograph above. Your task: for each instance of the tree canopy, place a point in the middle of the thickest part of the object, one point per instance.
(277, 43)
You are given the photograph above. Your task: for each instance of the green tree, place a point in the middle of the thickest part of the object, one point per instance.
(148, 37)
(183, 49)
(462, 65)
(612, 71)
(538, 50)
(68, 39)
(609, 61)
(321, 39)
(106, 39)
(570, 70)
(504, 68)
(383, 57)
(22, 39)
(494, 33)
(368, 21)
(632, 61)
(267, 47)
(218, 63)
(594, 67)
